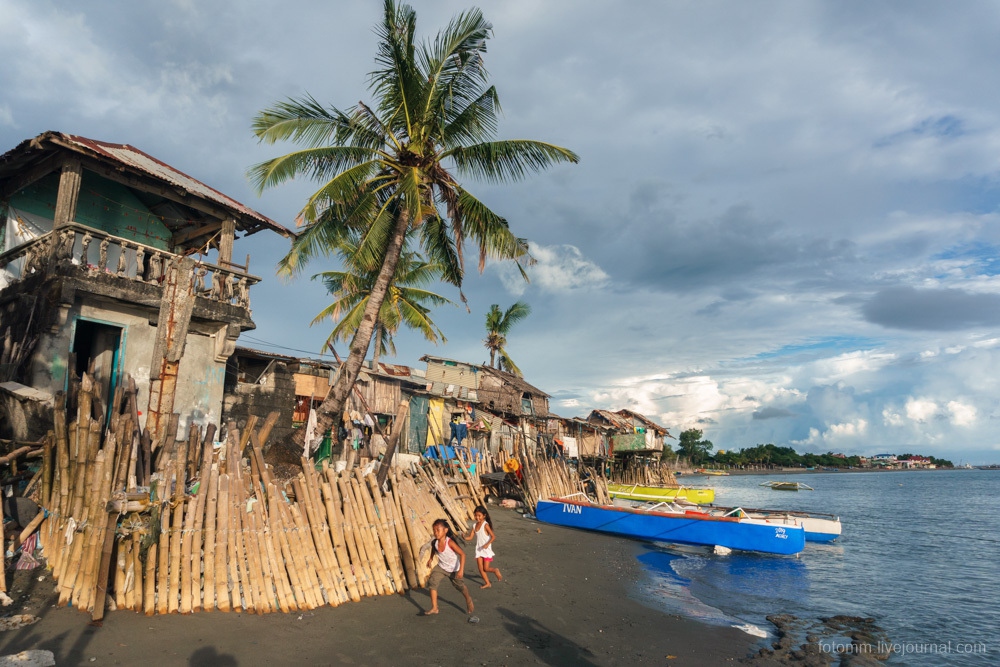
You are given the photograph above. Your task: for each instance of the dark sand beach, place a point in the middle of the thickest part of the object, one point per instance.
(565, 600)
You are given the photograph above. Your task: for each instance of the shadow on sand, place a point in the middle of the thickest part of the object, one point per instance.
(549, 647)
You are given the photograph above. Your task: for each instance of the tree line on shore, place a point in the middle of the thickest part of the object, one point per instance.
(693, 447)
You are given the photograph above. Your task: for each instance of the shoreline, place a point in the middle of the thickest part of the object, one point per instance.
(684, 474)
(568, 598)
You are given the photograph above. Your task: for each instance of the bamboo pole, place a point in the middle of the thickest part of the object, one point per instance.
(336, 522)
(279, 535)
(376, 561)
(176, 533)
(163, 552)
(223, 544)
(317, 509)
(273, 582)
(344, 521)
(360, 558)
(305, 562)
(384, 547)
(253, 581)
(327, 562)
(234, 557)
(197, 560)
(77, 551)
(209, 559)
(149, 582)
(403, 538)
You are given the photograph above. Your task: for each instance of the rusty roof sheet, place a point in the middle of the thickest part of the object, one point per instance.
(625, 419)
(130, 156)
(514, 381)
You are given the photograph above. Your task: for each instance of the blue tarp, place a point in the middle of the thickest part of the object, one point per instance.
(448, 452)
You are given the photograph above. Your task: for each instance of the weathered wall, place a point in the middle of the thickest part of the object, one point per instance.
(274, 391)
(200, 379)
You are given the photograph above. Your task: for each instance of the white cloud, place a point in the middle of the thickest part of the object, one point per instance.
(962, 414)
(890, 418)
(921, 410)
(557, 269)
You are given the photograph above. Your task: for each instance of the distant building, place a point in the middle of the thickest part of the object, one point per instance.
(633, 432)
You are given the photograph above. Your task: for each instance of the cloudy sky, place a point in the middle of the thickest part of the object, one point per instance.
(783, 228)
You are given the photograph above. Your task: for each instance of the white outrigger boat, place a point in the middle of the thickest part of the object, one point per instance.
(819, 527)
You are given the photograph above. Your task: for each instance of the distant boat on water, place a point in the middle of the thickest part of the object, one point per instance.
(788, 486)
(780, 535)
(699, 495)
(710, 471)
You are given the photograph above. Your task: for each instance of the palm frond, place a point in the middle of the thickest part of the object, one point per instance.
(303, 120)
(507, 160)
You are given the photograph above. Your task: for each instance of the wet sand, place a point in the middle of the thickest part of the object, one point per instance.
(566, 599)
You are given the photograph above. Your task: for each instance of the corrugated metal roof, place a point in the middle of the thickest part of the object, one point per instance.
(625, 419)
(132, 157)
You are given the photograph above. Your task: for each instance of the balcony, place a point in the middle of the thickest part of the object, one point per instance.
(120, 261)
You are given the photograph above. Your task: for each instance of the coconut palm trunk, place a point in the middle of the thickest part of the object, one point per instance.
(331, 408)
(388, 170)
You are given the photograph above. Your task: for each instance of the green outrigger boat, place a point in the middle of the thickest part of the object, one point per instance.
(697, 495)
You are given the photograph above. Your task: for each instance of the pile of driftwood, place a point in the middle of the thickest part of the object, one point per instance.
(183, 526)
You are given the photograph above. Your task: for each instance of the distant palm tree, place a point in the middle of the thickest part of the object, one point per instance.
(498, 325)
(388, 170)
(405, 304)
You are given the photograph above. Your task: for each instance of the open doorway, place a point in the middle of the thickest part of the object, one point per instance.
(97, 349)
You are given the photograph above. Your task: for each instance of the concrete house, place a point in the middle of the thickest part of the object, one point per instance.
(112, 261)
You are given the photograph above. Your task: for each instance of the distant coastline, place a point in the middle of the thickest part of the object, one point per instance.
(805, 471)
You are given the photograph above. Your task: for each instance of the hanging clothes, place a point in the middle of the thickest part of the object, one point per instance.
(459, 431)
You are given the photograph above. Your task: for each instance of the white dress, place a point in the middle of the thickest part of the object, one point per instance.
(482, 537)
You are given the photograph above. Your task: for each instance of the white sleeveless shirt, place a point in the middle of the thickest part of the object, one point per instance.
(447, 559)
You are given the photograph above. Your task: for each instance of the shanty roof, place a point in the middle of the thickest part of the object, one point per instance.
(242, 351)
(625, 419)
(513, 381)
(395, 372)
(31, 152)
(427, 358)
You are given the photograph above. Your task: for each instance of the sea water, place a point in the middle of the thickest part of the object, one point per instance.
(919, 554)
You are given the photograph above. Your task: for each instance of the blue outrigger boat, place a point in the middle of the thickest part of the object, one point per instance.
(663, 523)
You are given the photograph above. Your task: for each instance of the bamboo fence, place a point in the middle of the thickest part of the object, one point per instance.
(185, 526)
(180, 526)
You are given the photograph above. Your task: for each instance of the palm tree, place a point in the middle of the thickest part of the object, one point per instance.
(498, 325)
(406, 303)
(388, 171)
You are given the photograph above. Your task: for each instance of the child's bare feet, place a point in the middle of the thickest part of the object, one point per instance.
(487, 585)
(429, 612)
(499, 576)
(471, 608)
